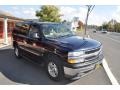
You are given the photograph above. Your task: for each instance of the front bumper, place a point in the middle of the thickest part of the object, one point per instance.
(82, 69)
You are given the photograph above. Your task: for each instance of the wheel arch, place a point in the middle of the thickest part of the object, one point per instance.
(46, 54)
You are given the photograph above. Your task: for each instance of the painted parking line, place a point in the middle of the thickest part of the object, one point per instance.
(109, 73)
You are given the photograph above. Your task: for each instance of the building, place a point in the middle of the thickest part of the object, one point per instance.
(74, 25)
(7, 23)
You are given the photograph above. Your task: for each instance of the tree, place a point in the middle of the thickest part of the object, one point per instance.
(112, 25)
(105, 26)
(48, 13)
(117, 27)
(99, 28)
(89, 10)
(80, 25)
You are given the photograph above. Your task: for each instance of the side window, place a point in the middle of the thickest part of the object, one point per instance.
(49, 30)
(22, 28)
(33, 30)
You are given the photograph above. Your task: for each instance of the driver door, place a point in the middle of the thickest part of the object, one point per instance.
(33, 42)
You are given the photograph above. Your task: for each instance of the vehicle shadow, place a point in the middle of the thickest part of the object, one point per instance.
(24, 72)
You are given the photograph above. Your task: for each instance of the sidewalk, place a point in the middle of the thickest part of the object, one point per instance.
(5, 81)
(2, 42)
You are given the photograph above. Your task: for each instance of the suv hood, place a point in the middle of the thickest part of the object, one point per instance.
(75, 43)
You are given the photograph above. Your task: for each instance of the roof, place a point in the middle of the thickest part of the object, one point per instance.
(4, 14)
(39, 22)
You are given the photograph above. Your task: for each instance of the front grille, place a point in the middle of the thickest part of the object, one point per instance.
(92, 51)
(91, 57)
(90, 62)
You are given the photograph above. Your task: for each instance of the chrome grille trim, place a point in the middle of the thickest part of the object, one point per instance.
(92, 51)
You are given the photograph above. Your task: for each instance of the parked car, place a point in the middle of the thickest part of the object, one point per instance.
(64, 54)
(94, 31)
(103, 31)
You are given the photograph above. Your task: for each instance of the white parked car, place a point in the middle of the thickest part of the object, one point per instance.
(103, 31)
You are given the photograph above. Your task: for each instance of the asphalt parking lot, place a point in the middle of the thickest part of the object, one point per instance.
(21, 71)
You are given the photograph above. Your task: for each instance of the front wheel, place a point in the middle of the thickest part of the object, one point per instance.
(54, 68)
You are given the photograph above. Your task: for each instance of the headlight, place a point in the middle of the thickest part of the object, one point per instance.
(74, 57)
(75, 54)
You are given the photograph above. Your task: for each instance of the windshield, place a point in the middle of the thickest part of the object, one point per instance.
(56, 31)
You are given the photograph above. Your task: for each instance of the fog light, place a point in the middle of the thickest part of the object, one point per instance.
(71, 61)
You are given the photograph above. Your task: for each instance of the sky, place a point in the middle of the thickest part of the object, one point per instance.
(99, 15)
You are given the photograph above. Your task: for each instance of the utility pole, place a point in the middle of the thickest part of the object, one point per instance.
(89, 10)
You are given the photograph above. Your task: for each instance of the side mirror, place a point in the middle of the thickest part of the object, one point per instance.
(36, 35)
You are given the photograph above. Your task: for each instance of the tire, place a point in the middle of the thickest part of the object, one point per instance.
(54, 68)
(17, 52)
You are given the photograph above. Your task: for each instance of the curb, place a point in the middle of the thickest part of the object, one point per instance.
(6, 81)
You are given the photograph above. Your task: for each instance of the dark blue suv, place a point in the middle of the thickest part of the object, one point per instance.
(64, 53)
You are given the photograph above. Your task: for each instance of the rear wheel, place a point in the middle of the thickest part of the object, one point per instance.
(54, 68)
(17, 52)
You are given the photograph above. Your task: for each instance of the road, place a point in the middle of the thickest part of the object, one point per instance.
(21, 71)
(111, 49)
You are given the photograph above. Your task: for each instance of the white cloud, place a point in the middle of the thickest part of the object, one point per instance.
(98, 19)
(22, 12)
(14, 7)
(17, 13)
(67, 10)
(70, 12)
(29, 13)
(116, 14)
(94, 18)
